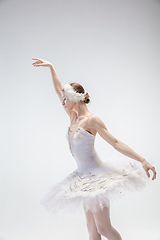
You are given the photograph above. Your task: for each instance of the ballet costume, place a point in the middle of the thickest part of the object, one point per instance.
(94, 184)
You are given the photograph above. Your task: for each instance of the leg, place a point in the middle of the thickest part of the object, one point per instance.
(91, 226)
(104, 227)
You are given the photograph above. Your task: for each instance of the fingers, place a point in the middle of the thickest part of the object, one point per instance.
(38, 61)
(147, 166)
(154, 177)
(154, 173)
(37, 65)
(147, 172)
(36, 58)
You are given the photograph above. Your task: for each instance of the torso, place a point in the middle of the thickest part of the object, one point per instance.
(82, 122)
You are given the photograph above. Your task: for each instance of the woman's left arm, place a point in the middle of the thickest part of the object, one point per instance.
(120, 146)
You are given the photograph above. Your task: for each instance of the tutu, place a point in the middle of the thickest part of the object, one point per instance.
(94, 184)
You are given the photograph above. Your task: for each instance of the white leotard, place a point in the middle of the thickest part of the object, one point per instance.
(94, 184)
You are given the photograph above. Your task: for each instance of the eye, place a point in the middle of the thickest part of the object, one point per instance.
(63, 97)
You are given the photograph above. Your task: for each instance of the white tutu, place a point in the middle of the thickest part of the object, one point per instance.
(94, 184)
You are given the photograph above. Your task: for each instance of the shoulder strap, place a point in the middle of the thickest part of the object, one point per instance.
(86, 120)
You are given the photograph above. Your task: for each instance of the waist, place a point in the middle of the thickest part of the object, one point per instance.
(86, 163)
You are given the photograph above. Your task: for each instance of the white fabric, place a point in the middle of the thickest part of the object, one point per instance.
(72, 95)
(94, 184)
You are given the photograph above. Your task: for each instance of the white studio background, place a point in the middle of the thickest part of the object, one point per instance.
(112, 49)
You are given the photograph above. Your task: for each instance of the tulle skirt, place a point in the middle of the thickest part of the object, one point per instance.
(97, 188)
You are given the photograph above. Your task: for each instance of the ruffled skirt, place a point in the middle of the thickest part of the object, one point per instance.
(97, 188)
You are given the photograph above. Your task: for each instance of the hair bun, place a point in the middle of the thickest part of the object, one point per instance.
(86, 100)
(79, 89)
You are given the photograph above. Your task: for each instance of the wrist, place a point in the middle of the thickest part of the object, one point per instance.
(142, 160)
(50, 66)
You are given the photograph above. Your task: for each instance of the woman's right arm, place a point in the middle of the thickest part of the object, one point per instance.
(56, 82)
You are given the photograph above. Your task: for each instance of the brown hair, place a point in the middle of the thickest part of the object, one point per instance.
(79, 89)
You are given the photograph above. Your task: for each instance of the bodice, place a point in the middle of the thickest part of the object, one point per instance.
(83, 150)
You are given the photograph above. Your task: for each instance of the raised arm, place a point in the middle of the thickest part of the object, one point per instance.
(56, 81)
(120, 146)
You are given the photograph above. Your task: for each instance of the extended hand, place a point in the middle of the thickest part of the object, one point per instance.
(147, 166)
(40, 62)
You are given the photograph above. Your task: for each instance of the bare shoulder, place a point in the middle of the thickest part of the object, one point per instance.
(96, 122)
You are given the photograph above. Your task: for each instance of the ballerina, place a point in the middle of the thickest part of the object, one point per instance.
(95, 184)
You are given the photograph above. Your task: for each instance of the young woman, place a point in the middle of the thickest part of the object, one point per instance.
(94, 184)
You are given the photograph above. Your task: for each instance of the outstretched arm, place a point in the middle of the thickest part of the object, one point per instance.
(120, 146)
(56, 81)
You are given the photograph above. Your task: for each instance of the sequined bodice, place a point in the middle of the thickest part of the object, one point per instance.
(83, 150)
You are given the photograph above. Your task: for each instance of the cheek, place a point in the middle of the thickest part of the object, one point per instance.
(67, 103)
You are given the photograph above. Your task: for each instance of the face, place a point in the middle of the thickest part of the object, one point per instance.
(67, 103)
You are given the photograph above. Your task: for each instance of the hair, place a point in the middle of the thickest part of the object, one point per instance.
(79, 89)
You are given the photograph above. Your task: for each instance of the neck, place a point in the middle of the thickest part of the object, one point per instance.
(81, 109)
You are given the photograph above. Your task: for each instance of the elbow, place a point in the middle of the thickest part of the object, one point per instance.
(116, 143)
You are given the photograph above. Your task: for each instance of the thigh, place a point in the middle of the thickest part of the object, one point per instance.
(90, 220)
(103, 224)
(102, 218)
(92, 228)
